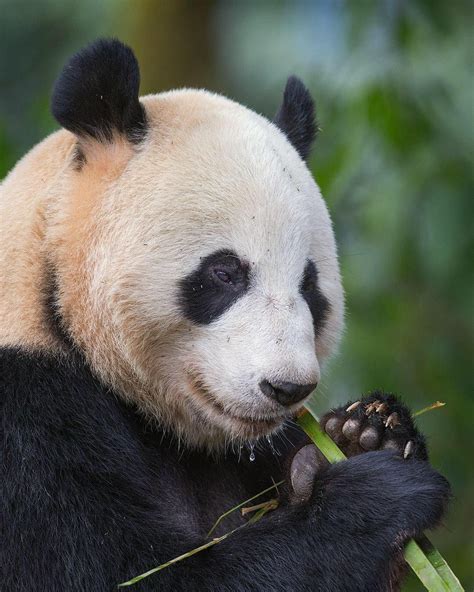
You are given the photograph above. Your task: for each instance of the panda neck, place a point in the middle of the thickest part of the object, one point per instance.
(27, 283)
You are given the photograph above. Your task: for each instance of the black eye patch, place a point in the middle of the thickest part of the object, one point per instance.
(315, 299)
(206, 293)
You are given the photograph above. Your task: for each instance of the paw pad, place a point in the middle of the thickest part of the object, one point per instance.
(375, 423)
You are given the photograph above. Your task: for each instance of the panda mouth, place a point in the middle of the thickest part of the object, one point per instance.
(203, 394)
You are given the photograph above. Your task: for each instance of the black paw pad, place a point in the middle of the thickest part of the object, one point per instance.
(378, 421)
(370, 438)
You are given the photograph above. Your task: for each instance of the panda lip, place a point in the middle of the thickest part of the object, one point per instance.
(203, 394)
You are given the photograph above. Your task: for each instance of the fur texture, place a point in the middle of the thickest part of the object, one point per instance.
(210, 290)
(121, 233)
(129, 399)
(97, 93)
(92, 495)
(296, 116)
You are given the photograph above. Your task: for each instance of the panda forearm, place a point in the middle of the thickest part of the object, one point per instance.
(285, 551)
(346, 538)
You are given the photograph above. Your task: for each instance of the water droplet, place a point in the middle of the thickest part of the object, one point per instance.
(252, 453)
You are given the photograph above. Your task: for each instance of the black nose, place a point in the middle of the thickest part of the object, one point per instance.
(286, 393)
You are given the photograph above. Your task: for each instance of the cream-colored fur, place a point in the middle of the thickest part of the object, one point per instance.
(122, 231)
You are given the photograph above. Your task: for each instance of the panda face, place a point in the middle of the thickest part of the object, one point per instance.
(220, 255)
(212, 292)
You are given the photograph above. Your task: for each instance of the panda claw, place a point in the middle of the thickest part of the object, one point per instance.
(408, 449)
(371, 407)
(382, 408)
(352, 407)
(373, 424)
(392, 420)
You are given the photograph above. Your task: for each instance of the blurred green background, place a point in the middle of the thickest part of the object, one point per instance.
(394, 90)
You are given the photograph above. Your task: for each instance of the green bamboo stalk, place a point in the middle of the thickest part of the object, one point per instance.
(424, 559)
(439, 563)
(421, 555)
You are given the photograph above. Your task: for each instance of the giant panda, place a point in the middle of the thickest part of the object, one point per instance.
(170, 292)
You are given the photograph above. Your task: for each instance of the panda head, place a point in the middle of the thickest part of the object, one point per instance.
(194, 257)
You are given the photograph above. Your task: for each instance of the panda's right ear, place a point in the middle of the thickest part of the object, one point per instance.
(96, 94)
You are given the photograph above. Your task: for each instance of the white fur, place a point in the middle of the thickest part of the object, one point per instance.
(210, 175)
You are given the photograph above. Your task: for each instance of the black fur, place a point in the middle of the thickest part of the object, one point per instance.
(96, 94)
(203, 297)
(296, 116)
(315, 299)
(91, 495)
(52, 313)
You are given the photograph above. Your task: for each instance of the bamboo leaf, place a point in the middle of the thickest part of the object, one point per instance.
(424, 569)
(175, 560)
(271, 504)
(436, 405)
(262, 510)
(225, 514)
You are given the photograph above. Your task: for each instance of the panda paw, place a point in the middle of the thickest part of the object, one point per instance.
(378, 421)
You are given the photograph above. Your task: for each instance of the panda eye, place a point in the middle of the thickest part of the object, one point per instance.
(229, 273)
(212, 288)
(222, 276)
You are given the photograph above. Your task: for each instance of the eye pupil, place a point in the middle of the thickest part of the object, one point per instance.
(223, 276)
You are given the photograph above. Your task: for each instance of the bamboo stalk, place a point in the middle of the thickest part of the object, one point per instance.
(424, 559)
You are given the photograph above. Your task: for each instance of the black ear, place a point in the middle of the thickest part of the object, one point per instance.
(96, 94)
(296, 116)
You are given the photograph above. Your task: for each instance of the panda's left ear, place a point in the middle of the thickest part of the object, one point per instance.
(96, 94)
(296, 116)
